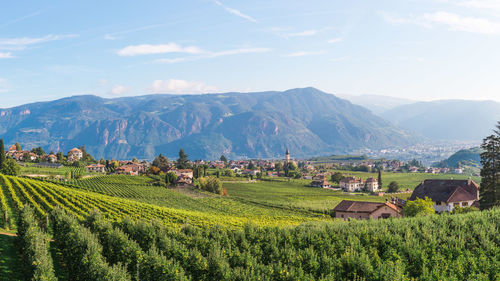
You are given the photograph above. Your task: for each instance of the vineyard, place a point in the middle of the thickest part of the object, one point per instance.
(44, 196)
(458, 247)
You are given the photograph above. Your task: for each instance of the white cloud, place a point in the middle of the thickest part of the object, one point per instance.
(303, 33)
(481, 4)
(147, 49)
(6, 55)
(235, 12)
(461, 23)
(177, 86)
(452, 21)
(335, 40)
(119, 89)
(214, 55)
(22, 42)
(305, 53)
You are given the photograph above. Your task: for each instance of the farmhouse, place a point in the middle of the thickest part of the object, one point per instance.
(351, 184)
(130, 168)
(184, 176)
(366, 210)
(75, 154)
(371, 184)
(97, 168)
(320, 181)
(448, 194)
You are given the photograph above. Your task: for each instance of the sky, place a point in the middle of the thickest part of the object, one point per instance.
(415, 49)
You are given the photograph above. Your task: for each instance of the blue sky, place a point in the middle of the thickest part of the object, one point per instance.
(435, 49)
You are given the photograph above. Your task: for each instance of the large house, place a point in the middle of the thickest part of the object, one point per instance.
(351, 184)
(184, 176)
(75, 154)
(130, 168)
(366, 210)
(371, 184)
(320, 181)
(96, 168)
(448, 194)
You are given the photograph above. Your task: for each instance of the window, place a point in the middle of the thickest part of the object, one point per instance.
(438, 203)
(456, 204)
(341, 216)
(386, 215)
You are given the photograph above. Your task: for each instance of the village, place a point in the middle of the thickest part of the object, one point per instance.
(445, 194)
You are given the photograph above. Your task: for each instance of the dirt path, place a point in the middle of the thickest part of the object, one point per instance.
(8, 234)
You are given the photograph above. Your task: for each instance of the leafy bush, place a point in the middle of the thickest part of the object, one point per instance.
(419, 207)
(37, 262)
(211, 184)
(82, 252)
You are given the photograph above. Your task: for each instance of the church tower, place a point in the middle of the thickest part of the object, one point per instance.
(287, 156)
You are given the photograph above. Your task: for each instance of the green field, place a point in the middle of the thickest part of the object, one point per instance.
(407, 180)
(31, 169)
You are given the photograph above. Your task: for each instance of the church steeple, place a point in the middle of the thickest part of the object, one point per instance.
(287, 155)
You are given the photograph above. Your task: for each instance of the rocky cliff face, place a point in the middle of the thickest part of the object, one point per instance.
(308, 121)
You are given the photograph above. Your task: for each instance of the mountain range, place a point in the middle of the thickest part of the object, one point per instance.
(450, 120)
(255, 125)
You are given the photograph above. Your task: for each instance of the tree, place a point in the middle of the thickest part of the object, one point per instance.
(419, 207)
(135, 160)
(278, 167)
(2, 154)
(337, 177)
(250, 166)
(161, 162)
(18, 147)
(489, 192)
(170, 178)
(379, 179)
(393, 187)
(10, 167)
(205, 168)
(60, 156)
(223, 158)
(182, 162)
(38, 151)
(211, 184)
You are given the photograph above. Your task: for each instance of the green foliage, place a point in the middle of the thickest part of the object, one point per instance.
(337, 177)
(211, 184)
(223, 158)
(82, 251)
(38, 151)
(170, 178)
(182, 161)
(393, 187)
(464, 210)
(419, 207)
(489, 192)
(356, 250)
(161, 162)
(34, 247)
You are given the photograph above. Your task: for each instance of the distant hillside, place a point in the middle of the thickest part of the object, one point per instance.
(377, 103)
(339, 158)
(460, 120)
(466, 157)
(308, 121)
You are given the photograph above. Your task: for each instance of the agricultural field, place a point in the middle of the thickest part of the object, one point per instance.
(407, 180)
(295, 195)
(94, 248)
(32, 169)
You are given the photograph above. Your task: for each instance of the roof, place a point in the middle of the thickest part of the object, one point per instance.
(75, 150)
(95, 166)
(446, 190)
(321, 182)
(350, 180)
(371, 180)
(362, 206)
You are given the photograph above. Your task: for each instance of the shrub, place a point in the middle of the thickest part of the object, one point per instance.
(37, 261)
